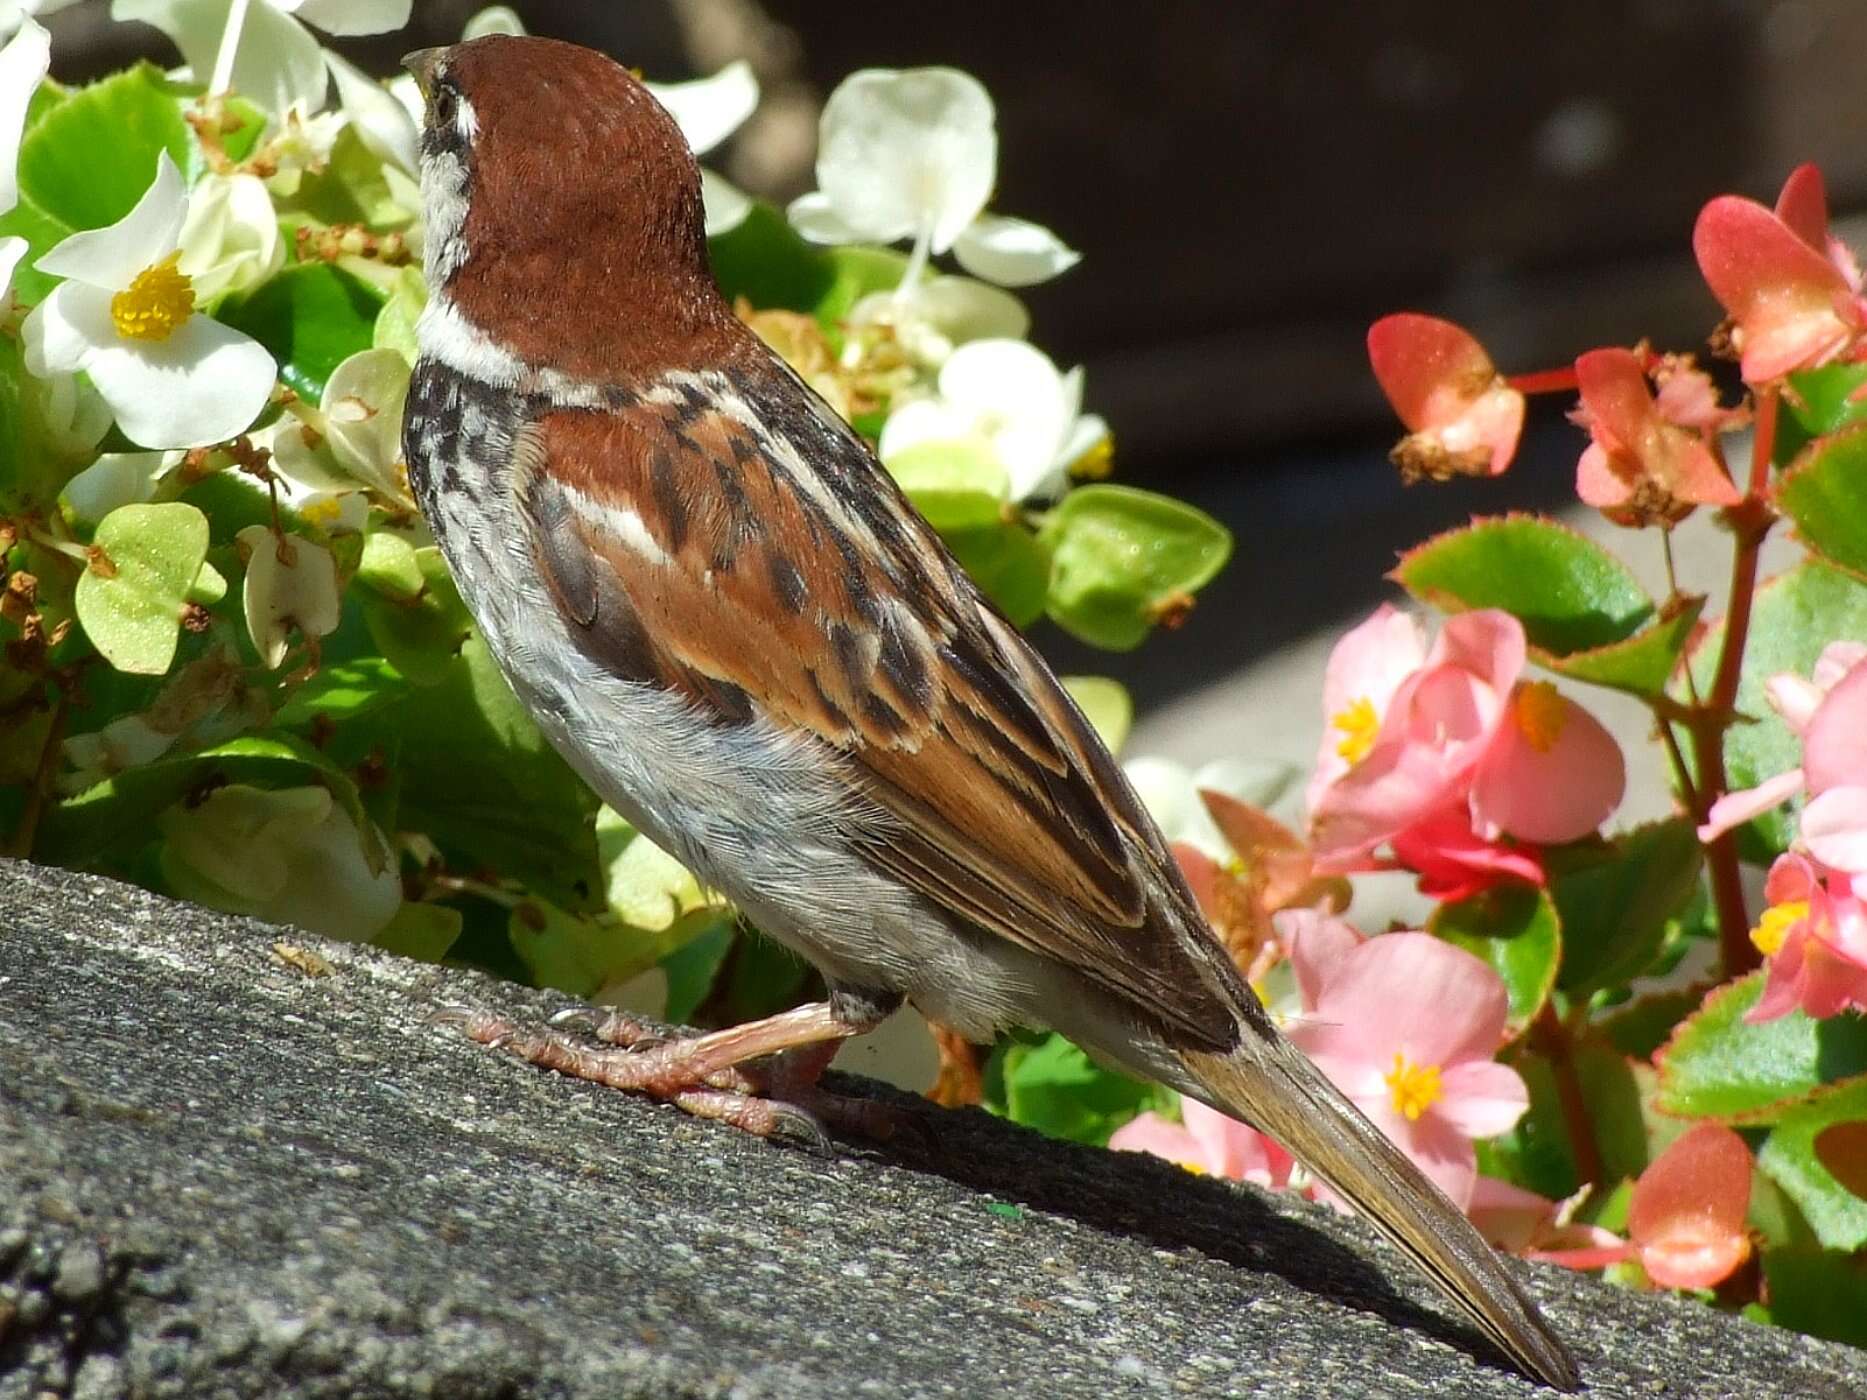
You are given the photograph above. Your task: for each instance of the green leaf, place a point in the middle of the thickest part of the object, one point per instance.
(350, 189)
(343, 693)
(91, 157)
(1514, 930)
(312, 317)
(480, 779)
(1107, 706)
(242, 125)
(855, 272)
(956, 485)
(131, 605)
(1616, 908)
(22, 480)
(1819, 1292)
(42, 233)
(1537, 1152)
(1570, 594)
(1804, 1152)
(116, 815)
(389, 566)
(423, 932)
(1054, 1087)
(1639, 1028)
(765, 978)
(1717, 1065)
(1825, 493)
(766, 262)
(1008, 562)
(706, 936)
(1644, 663)
(1122, 560)
(421, 634)
(1819, 401)
(395, 323)
(1795, 615)
(561, 950)
(644, 886)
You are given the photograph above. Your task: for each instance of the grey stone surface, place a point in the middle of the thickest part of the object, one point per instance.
(221, 1174)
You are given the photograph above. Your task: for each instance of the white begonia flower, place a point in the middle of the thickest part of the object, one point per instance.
(943, 313)
(288, 856)
(708, 110)
(117, 479)
(230, 239)
(260, 48)
(290, 583)
(128, 742)
(299, 145)
(73, 414)
(913, 153)
(381, 122)
(363, 404)
(309, 482)
(494, 19)
(125, 315)
(1170, 792)
(23, 65)
(18, 14)
(1007, 397)
(352, 444)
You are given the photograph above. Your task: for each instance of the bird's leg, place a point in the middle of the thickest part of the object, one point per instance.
(711, 1075)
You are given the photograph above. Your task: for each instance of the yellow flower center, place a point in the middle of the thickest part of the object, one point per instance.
(1541, 713)
(156, 303)
(1097, 463)
(1775, 924)
(1415, 1088)
(324, 512)
(1359, 726)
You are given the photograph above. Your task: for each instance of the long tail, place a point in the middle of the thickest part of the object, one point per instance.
(1270, 1084)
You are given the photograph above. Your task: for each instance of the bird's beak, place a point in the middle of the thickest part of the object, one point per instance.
(421, 63)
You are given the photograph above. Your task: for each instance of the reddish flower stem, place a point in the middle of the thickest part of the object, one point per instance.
(1750, 524)
(1552, 1038)
(1545, 381)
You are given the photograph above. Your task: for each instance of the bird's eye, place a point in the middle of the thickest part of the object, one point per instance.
(443, 105)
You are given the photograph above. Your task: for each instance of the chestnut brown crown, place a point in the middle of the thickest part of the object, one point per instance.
(584, 243)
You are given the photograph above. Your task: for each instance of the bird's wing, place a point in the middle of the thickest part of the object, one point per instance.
(744, 549)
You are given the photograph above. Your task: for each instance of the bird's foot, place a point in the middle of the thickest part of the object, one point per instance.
(760, 1077)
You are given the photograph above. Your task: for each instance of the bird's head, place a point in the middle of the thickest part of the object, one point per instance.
(564, 218)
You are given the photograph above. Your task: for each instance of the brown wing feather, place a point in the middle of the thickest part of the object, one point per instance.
(695, 549)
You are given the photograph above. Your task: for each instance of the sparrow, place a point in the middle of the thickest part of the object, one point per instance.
(729, 620)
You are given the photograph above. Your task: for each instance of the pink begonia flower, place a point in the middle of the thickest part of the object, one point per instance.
(1406, 1025)
(1551, 774)
(1414, 739)
(1791, 289)
(1208, 1142)
(1685, 1223)
(1814, 935)
(1462, 417)
(1828, 713)
(1519, 1221)
(1454, 862)
(1641, 464)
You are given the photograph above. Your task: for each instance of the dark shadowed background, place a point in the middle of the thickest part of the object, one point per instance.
(1252, 184)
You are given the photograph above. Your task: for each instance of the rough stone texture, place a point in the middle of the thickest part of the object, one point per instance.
(223, 1174)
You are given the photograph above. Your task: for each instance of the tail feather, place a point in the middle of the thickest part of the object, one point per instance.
(1271, 1085)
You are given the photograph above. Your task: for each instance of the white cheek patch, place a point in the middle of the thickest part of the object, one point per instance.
(444, 206)
(445, 335)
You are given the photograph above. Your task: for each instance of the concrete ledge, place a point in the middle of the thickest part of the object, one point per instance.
(223, 1175)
